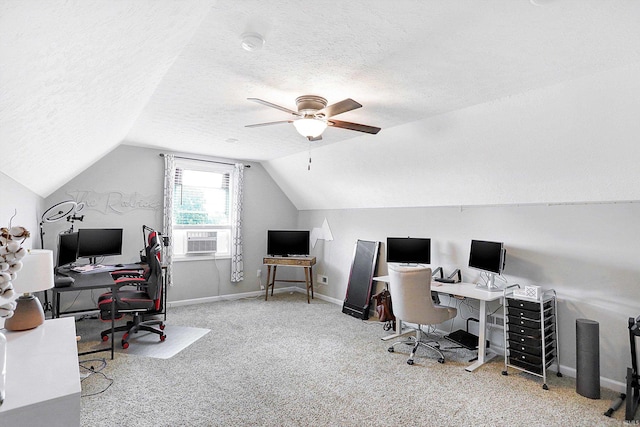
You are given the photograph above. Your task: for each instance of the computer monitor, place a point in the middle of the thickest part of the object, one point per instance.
(99, 242)
(67, 249)
(287, 242)
(488, 257)
(409, 250)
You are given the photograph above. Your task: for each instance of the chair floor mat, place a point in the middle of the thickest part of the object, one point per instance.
(148, 344)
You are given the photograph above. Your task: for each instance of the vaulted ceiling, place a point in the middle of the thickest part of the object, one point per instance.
(79, 78)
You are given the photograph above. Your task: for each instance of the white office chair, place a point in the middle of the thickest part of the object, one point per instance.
(410, 289)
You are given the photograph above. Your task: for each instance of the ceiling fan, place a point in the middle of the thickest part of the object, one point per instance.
(313, 116)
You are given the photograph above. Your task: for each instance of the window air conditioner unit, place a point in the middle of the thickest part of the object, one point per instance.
(200, 242)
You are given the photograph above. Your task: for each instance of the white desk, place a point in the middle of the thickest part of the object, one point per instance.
(43, 378)
(467, 290)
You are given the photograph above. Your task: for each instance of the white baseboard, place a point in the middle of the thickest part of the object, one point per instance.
(249, 295)
(228, 297)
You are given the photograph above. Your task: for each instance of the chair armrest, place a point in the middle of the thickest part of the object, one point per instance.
(126, 280)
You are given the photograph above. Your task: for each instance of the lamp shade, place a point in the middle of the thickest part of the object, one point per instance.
(310, 128)
(36, 274)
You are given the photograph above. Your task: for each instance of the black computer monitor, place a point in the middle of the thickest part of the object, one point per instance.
(67, 249)
(99, 242)
(409, 250)
(287, 242)
(487, 256)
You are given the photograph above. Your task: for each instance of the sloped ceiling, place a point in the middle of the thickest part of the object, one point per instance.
(75, 75)
(83, 77)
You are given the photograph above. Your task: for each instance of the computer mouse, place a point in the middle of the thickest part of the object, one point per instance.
(63, 282)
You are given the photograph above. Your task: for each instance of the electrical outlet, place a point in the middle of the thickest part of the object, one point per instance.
(322, 279)
(259, 273)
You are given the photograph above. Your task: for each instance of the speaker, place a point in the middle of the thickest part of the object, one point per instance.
(588, 358)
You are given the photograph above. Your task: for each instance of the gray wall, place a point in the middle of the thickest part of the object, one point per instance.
(132, 176)
(588, 253)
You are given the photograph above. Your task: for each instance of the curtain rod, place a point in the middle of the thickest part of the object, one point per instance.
(203, 160)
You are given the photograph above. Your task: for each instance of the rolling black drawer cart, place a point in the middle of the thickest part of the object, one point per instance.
(531, 334)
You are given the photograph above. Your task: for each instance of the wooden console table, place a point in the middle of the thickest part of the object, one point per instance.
(305, 262)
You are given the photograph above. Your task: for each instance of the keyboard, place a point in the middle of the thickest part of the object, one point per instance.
(444, 280)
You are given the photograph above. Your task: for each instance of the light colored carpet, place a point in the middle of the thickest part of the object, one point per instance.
(288, 363)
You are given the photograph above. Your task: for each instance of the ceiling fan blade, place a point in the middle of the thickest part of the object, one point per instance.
(339, 107)
(268, 123)
(353, 126)
(278, 107)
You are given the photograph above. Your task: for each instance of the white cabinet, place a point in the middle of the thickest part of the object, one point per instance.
(43, 379)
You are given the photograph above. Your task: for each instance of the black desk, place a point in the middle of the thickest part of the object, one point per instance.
(82, 282)
(100, 279)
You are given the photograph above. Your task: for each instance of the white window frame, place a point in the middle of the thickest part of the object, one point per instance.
(224, 231)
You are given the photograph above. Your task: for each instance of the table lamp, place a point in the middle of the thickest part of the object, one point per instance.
(36, 275)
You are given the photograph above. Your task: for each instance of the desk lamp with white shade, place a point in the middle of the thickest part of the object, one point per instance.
(36, 275)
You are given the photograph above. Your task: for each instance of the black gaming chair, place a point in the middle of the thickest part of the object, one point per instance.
(141, 301)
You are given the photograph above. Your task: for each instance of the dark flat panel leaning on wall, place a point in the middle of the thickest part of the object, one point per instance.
(358, 299)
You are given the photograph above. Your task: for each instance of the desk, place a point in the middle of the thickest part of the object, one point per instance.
(467, 290)
(82, 282)
(305, 262)
(101, 279)
(43, 380)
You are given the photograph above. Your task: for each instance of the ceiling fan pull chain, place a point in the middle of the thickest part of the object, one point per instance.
(309, 165)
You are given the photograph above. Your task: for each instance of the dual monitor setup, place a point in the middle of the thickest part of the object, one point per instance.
(91, 243)
(485, 256)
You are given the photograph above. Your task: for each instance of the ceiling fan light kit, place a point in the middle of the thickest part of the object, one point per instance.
(313, 116)
(310, 127)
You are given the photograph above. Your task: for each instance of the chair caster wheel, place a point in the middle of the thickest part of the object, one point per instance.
(505, 373)
(410, 362)
(390, 350)
(163, 337)
(125, 345)
(162, 326)
(105, 338)
(441, 360)
(559, 375)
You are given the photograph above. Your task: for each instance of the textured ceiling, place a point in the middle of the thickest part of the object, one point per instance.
(79, 78)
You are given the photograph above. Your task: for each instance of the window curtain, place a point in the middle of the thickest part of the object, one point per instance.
(167, 223)
(237, 265)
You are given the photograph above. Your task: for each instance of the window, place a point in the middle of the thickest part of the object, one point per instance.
(202, 210)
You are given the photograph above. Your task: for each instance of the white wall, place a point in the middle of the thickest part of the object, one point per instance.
(133, 176)
(587, 253)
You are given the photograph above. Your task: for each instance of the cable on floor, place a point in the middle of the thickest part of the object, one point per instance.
(91, 370)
